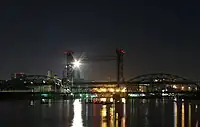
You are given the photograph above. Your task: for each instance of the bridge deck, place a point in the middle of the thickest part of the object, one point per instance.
(134, 82)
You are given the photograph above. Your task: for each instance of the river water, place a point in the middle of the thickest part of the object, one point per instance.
(77, 113)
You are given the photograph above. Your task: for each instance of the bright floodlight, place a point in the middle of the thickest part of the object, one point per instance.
(77, 63)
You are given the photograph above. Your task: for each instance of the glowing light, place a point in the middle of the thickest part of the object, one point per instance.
(111, 99)
(123, 100)
(175, 114)
(189, 115)
(77, 63)
(133, 95)
(103, 99)
(183, 115)
(174, 86)
(103, 116)
(32, 103)
(156, 80)
(182, 88)
(165, 94)
(111, 117)
(44, 95)
(117, 90)
(121, 51)
(103, 90)
(103, 112)
(136, 95)
(123, 90)
(77, 120)
(123, 122)
(111, 90)
(189, 88)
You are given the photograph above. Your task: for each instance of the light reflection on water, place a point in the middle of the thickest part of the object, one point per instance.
(183, 115)
(189, 116)
(77, 120)
(175, 114)
(77, 113)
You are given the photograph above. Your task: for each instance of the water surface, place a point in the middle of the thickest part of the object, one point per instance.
(77, 113)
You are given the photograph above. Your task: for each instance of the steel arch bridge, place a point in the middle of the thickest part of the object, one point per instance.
(161, 78)
(163, 81)
(38, 79)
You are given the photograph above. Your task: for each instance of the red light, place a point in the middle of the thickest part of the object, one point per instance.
(121, 51)
(68, 52)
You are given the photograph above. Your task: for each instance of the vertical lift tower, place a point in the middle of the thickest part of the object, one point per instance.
(120, 72)
(68, 72)
(120, 66)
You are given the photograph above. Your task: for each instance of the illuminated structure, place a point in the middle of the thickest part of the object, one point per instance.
(150, 84)
(71, 71)
(68, 70)
(20, 75)
(163, 82)
(76, 69)
(158, 84)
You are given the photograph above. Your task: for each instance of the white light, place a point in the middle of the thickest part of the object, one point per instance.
(174, 86)
(77, 120)
(77, 63)
(117, 90)
(164, 94)
(103, 99)
(123, 90)
(123, 100)
(156, 80)
(111, 90)
(111, 99)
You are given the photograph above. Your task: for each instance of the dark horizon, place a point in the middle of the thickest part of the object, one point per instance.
(157, 36)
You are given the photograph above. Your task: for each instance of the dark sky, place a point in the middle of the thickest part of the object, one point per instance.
(157, 36)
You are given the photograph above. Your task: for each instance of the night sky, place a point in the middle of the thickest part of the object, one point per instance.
(157, 36)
